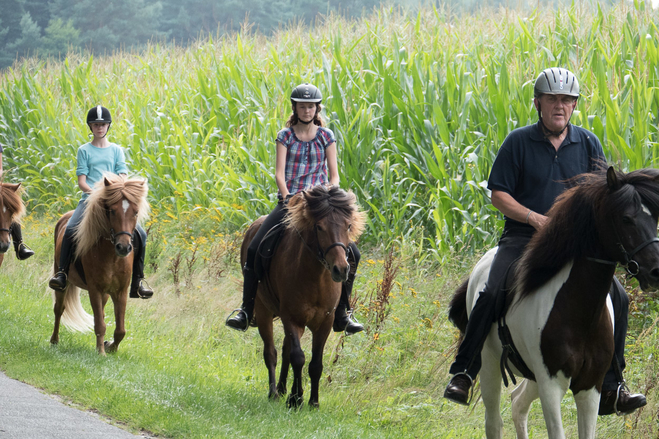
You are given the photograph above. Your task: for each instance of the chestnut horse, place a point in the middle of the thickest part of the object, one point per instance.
(11, 210)
(104, 248)
(560, 317)
(303, 286)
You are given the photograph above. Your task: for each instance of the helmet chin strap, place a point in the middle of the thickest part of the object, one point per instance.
(106, 133)
(547, 130)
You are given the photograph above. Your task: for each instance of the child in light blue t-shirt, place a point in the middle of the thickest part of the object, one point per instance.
(95, 159)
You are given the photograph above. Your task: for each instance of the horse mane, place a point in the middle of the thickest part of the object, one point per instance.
(95, 221)
(308, 207)
(12, 200)
(570, 232)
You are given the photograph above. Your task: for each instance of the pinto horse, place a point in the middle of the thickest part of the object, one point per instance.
(104, 248)
(303, 286)
(11, 210)
(560, 317)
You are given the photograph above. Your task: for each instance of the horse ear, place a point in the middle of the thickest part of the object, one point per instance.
(106, 181)
(12, 187)
(612, 179)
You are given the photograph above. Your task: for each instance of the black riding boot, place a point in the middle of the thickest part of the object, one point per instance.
(245, 313)
(58, 282)
(137, 288)
(343, 320)
(22, 251)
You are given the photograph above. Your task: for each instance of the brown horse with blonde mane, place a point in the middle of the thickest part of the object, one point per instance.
(12, 209)
(105, 251)
(303, 286)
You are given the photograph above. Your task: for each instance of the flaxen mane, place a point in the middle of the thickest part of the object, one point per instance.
(571, 231)
(11, 199)
(95, 222)
(308, 207)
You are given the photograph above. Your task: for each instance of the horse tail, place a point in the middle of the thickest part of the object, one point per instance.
(457, 312)
(74, 316)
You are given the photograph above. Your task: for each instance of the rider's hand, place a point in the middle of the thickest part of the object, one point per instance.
(537, 221)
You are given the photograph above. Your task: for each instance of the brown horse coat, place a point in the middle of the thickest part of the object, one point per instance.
(301, 289)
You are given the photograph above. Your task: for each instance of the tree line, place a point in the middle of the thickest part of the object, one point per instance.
(51, 28)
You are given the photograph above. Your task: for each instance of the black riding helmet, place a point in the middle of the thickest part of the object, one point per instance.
(99, 114)
(306, 93)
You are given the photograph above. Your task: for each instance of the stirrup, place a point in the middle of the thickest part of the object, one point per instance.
(22, 245)
(351, 319)
(471, 385)
(237, 311)
(66, 280)
(622, 386)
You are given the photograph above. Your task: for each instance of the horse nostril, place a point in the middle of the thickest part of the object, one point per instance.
(129, 249)
(655, 273)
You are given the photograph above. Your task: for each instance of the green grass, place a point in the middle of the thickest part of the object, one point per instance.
(180, 373)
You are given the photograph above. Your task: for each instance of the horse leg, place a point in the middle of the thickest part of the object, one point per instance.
(120, 320)
(587, 407)
(264, 322)
(551, 392)
(58, 309)
(285, 365)
(297, 361)
(491, 393)
(316, 363)
(521, 398)
(97, 301)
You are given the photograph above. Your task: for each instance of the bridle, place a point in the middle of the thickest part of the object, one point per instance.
(632, 267)
(113, 236)
(320, 254)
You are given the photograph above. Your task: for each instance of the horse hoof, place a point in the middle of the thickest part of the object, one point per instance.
(294, 402)
(313, 405)
(54, 342)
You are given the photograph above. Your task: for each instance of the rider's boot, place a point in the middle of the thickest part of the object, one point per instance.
(245, 313)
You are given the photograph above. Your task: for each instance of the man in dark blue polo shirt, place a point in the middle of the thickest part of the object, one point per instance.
(533, 167)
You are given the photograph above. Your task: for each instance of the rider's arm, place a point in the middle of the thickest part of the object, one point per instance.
(507, 205)
(82, 183)
(280, 168)
(332, 167)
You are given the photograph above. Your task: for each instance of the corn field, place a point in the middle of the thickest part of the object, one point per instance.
(419, 105)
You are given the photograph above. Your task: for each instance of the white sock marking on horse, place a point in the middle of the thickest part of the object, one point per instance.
(125, 205)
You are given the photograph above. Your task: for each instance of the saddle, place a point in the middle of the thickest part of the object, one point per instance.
(510, 354)
(266, 250)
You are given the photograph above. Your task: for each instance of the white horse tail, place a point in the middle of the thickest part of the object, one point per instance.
(74, 316)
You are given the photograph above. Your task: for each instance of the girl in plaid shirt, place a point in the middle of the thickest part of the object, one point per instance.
(306, 157)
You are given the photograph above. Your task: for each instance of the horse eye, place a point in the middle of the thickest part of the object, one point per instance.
(349, 226)
(627, 220)
(320, 229)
